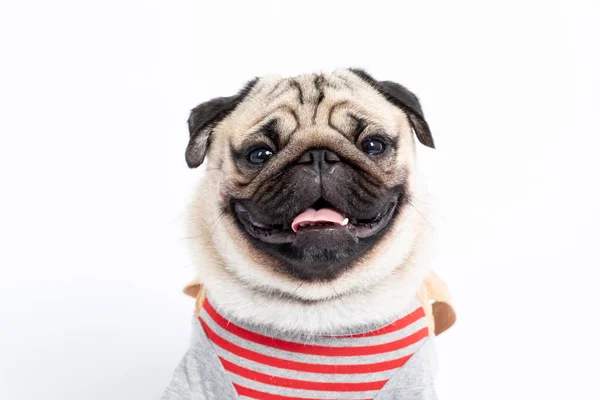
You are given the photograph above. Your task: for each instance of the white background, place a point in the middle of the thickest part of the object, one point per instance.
(93, 103)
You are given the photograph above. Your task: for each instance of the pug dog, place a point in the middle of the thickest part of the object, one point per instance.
(310, 237)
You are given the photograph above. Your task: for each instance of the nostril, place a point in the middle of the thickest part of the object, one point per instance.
(305, 159)
(318, 160)
(331, 157)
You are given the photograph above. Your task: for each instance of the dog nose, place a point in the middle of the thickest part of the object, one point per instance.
(319, 161)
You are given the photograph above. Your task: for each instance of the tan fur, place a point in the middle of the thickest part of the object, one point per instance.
(433, 293)
(380, 283)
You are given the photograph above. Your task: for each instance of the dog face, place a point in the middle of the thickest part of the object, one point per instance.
(310, 181)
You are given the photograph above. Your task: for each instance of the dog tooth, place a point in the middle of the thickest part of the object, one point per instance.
(345, 222)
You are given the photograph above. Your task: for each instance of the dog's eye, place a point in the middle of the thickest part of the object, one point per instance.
(373, 146)
(260, 155)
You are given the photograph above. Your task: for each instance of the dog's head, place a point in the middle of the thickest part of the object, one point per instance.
(310, 182)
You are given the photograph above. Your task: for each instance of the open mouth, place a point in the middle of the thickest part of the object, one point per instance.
(320, 219)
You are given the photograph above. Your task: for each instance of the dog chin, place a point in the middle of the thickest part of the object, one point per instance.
(318, 245)
(384, 279)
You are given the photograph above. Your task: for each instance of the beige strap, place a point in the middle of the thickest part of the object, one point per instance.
(436, 301)
(196, 290)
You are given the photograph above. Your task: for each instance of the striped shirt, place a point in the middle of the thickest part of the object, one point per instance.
(276, 367)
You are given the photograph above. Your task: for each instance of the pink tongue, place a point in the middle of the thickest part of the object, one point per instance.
(312, 216)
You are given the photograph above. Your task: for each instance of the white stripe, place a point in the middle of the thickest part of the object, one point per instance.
(370, 340)
(308, 394)
(332, 341)
(338, 340)
(305, 376)
(314, 359)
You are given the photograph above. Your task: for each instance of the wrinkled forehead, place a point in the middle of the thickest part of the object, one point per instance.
(290, 107)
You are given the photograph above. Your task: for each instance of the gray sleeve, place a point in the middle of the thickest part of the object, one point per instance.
(200, 375)
(415, 380)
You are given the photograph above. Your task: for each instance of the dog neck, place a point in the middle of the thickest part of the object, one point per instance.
(361, 311)
(367, 309)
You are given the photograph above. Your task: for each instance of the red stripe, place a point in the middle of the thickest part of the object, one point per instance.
(393, 327)
(299, 366)
(312, 349)
(298, 384)
(255, 394)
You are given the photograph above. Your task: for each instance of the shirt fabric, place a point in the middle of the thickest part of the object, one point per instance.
(231, 360)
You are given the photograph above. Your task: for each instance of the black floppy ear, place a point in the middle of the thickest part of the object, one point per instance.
(203, 120)
(406, 100)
